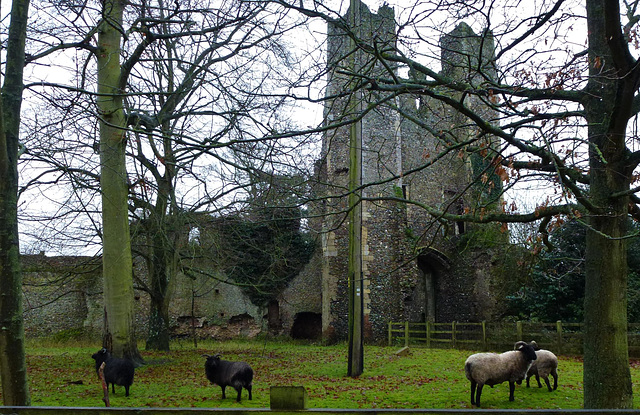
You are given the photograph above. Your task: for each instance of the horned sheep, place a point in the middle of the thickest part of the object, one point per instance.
(493, 368)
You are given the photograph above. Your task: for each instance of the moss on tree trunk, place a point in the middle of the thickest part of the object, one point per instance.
(116, 240)
(607, 378)
(13, 369)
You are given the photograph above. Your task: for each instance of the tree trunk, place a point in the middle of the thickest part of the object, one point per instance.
(159, 335)
(162, 257)
(13, 368)
(160, 267)
(355, 365)
(607, 378)
(116, 240)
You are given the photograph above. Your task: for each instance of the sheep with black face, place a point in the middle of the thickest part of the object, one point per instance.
(546, 364)
(224, 373)
(117, 371)
(493, 368)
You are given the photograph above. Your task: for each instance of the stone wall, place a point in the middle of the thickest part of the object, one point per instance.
(64, 294)
(61, 294)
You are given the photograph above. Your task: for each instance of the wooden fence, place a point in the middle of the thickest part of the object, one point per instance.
(562, 338)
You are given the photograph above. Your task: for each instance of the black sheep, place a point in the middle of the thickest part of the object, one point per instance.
(116, 371)
(224, 373)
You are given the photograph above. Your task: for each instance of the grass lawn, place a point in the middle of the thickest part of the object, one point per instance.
(426, 378)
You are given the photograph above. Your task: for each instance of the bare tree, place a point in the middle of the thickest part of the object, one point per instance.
(168, 153)
(13, 367)
(117, 266)
(198, 86)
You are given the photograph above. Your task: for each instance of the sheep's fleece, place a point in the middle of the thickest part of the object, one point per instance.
(224, 373)
(117, 371)
(493, 368)
(546, 364)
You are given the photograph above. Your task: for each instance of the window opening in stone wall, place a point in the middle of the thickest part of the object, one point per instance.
(459, 209)
(194, 236)
(456, 207)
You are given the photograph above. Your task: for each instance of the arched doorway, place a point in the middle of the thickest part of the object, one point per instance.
(432, 265)
(273, 317)
(307, 325)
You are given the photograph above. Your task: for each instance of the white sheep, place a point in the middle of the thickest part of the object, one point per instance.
(546, 364)
(493, 368)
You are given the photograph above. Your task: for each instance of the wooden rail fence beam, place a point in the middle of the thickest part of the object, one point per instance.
(558, 336)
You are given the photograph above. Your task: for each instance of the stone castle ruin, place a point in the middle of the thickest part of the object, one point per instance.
(405, 278)
(414, 268)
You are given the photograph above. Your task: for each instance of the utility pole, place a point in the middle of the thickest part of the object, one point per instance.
(356, 303)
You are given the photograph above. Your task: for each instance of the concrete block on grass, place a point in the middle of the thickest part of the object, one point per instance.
(405, 351)
(288, 397)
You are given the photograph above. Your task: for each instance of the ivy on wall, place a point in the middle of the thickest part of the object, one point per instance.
(263, 252)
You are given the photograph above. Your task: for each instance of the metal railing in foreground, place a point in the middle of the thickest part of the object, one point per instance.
(292, 400)
(35, 410)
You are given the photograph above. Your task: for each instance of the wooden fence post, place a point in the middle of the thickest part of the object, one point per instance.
(519, 330)
(484, 335)
(429, 333)
(406, 333)
(453, 334)
(389, 342)
(105, 385)
(559, 331)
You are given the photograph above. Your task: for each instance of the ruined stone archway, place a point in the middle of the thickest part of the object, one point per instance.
(432, 265)
(307, 325)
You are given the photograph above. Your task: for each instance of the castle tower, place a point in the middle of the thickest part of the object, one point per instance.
(468, 183)
(398, 284)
